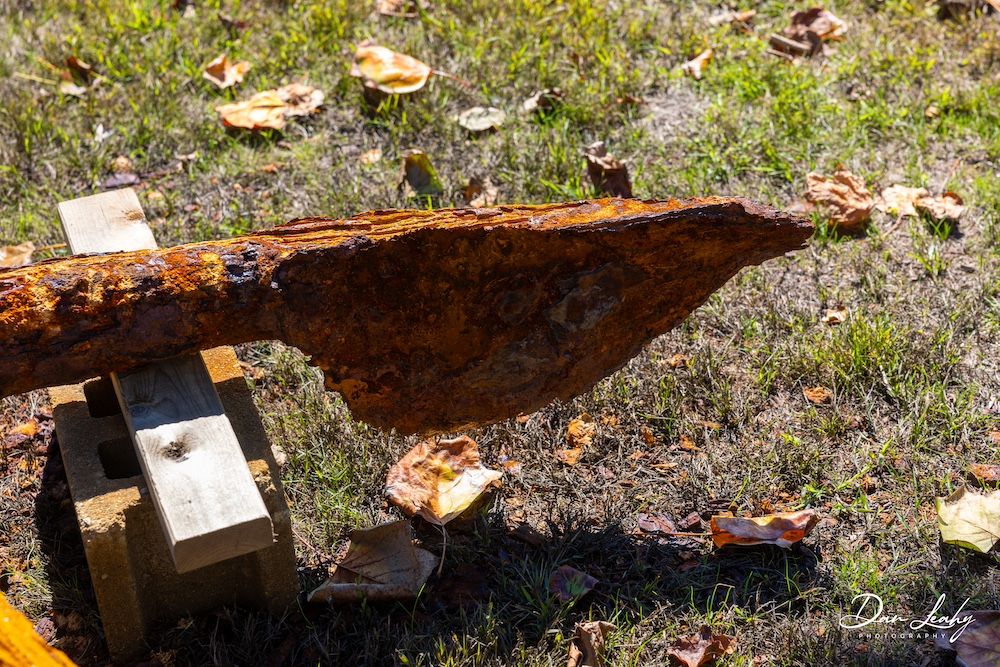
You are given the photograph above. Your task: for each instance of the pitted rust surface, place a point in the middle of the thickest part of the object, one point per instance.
(426, 321)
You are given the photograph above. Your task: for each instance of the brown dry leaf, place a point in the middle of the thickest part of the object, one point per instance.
(439, 479)
(900, 200)
(370, 156)
(607, 173)
(542, 101)
(654, 523)
(28, 428)
(580, 432)
(419, 177)
(817, 21)
(67, 87)
(694, 67)
(381, 564)
(79, 67)
(702, 649)
(481, 119)
(780, 529)
(835, 316)
(647, 435)
(224, 73)
(985, 473)
(265, 110)
(731, 17)
(687, 444)
(568, 583)
(400, 8)
(847, 200)
(300, 99)
(13, 256)
(818, 395)
(587, 647)
(978, 644)
(480, 192)
(388, 71)
(678, 360)
(947, 206)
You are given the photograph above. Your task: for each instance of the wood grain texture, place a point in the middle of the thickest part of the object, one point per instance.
(199, 481)
(425, 321)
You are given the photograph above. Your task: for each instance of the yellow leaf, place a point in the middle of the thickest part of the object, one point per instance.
(817, 395)
(265, 110)
(13, 256)
(969, 519)
(21, 645)
(438, 480)
(300, 99)
(947, 206)
(225, 73)
(388, 71)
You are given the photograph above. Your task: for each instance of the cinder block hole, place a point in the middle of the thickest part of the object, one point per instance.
(118, 458)
(101, 399)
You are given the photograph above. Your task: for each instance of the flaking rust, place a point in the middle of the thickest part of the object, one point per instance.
(425, 321)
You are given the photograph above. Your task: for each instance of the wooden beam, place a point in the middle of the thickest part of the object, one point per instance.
(206, 499)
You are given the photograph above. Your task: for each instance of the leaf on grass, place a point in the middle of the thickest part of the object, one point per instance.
(300, 99)
(970, 519)
(370, 156)
(543, 101)
(388, 71)
(400, 8)
(654, 523)
(588, 646)
(224, 73)
(13, 256)
(480, 119)
(381, 564)
(264, 110)
(947, 206)
(607, 173)
(817, 21)
(579, 434)
(731, 17)
(701, 649)
(979, 644)
(835, 316)
(68, 87)
(694, 67)
(818, 395)
(79, 67)
(480, 192)
(782, 530)
(847, 200)
(568, 583)
(985, 473)
(900, 200)
(439, 479)
(419, 178)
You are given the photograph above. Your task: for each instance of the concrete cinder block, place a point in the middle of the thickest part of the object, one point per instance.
(136, 584)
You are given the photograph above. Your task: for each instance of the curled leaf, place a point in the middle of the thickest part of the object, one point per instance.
(970, 519)
(13, 256)
(420, 178)
(579, 434)
(694, 67)
(480, 192)
(543, 101)
(947, 206)
(835, 316)
(607, 174)
(480, 119)
(588, 646)
(985, 473)
(702, 649)
(847, 200)
(900, 200)
(782, 530)
(300, 99)
(388, 71)
(265, 110)
(224, 73)
(438, 480)
(381, 564)
(818, 395)
(816, 21)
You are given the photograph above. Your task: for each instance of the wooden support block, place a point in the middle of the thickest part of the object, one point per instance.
(208, 504)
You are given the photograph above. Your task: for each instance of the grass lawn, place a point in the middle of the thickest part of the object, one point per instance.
(904, 98)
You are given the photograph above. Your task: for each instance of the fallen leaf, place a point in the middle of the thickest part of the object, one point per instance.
(67, 87)
(381, 564)
(120, 180)
(835, 316)
(420, 179)
(568, 583)
(264, 110)
(480, 192)
(512, 467)
(480, 119)
(370, 156)
(818, 395)
(731, 17)
(580, 432)
(543, 101)
(690, 521)
(439, 479)
(28, 429)
(300, 99)
(847, 200)
(694, 67)
(978, 645)
(587, 648)
(388, 71)
(608, 175)
(782, 530)
(818, 21)
(224, 73)
(654, 523)
(947, 206)
(79, 67)
(985, 473)
(271, 168)
(647, 435)
(400, 8)
(700, 649)
(900, 200)
(970, 519)
(13, 256)
(687, 444)
(678, 360)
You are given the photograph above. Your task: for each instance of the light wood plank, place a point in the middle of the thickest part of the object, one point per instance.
(208, 504)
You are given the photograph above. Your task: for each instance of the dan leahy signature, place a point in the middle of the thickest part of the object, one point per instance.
(871, 608)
